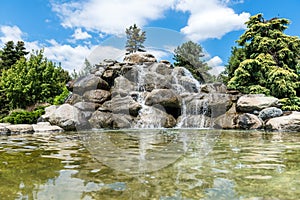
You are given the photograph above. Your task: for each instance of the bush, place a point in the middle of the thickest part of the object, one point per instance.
(60, 99)
(23, 116)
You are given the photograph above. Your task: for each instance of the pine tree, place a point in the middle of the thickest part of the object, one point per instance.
(135, 39)
(267, 59)
(11, 53)
(189, 55)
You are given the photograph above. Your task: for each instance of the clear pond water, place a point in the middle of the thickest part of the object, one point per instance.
(151, 164)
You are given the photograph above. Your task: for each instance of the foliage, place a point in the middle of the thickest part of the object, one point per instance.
(23, 116)
(290, 103)
(11, 53)
(31, 81)
(188, 55)
(60, 99)
(267, 60)
(84, 71)
(135, 39)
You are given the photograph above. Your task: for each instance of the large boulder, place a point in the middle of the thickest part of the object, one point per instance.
(101, 120)
(121, 121)
(270, 112)
(250, 103)
(139, 57)
(67, 117)
(229, 120)
(249, 121)
(122, 105)
(97, 96)
(89, 82)
(164, 97)
(285, 123)
(151, 117)
(122, 86)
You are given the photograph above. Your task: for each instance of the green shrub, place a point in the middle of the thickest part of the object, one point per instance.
(292, 104)
(60, 99)
(23, 116)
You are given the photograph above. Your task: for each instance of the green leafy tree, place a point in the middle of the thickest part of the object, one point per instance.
(267, 59)
(189, 55)
(11, 53)
(135, 39)
(32, 81)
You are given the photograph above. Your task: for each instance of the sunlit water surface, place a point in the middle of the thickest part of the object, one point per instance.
(151, 164)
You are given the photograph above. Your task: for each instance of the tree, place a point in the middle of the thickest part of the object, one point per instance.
(267, 59)
(189, 55)
(32, 81)
(135, 39)
(11, 53)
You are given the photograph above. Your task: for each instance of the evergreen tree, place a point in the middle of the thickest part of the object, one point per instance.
(189, 55)
(31, 81)
(11, 53)
(267, 59)
(135, 39)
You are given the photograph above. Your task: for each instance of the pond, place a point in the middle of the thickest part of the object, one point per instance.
(163, 164)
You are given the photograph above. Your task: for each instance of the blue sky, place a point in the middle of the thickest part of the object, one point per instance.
(72, 30)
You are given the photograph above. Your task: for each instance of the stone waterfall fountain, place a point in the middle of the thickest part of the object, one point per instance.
(143, 93)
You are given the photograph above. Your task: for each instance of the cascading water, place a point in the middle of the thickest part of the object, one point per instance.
(191, 113)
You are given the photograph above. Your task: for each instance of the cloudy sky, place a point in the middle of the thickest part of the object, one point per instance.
(72, 30)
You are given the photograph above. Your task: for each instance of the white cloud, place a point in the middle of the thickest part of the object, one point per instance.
(210, 19)
(216, 64)
(110, 17)
(79, 35)
(69, 57)
(105, 52)
(10, 33)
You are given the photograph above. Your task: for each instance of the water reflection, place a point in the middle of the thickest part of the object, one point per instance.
(138, 151)
(151, 164)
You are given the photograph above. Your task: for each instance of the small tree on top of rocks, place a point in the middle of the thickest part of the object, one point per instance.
(135, 39)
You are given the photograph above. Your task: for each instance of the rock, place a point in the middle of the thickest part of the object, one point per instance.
(189, 84)
(20, 129)
(48, 112)
(139, 57)
(122, 84)
(164, 97)
(229, 120)
(121, 121)
(160, 69)
(211, 105)
(213, 88)
(101, 120)
(249, 103)
(87, 106)
(249, 121)
(74, 98)
(152, 117)
(3, 129)
(97, 96)
(167, 63)
(45, 127)
(285, 123)
(68, 117)
(270, 112)
(89, 82)
(122, 105)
